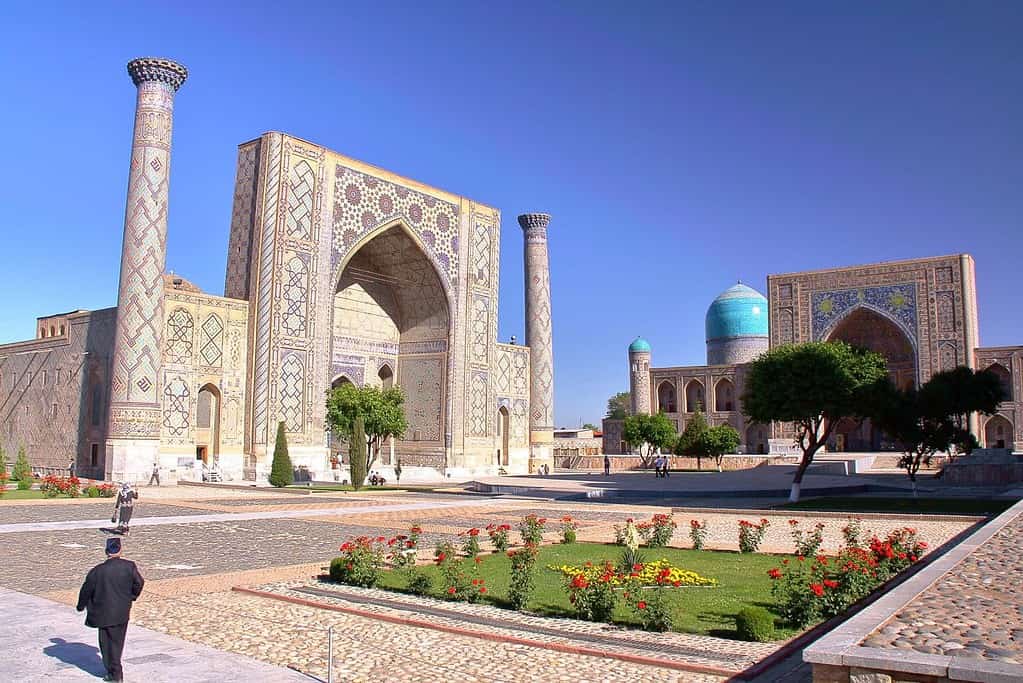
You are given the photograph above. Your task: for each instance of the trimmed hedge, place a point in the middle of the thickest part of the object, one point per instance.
(755, 624)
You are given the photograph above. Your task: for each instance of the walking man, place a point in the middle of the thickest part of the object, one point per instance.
(607, 466)
(124, 507)
(108, 592)
(155, 476)
(71, 468)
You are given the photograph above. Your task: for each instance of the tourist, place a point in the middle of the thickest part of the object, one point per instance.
(107, 594)
(155, 476)
(123, 508)
(71, 468)
(657, 466)
(607, 466)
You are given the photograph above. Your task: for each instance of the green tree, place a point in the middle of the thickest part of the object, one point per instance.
(719, 440)
(358, 464)
(21, 471)
(3, 459)
(649, 433)
(813, 386)
(933, 419)
(619, 406)
(281, 472)
(381, 411)
(590, 425)
(689, 440)
(961, 391)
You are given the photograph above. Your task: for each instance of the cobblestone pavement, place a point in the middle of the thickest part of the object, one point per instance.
(974, 610)
(60, 512)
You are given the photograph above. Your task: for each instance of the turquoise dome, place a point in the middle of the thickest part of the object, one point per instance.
(639, 345)
(739, 311)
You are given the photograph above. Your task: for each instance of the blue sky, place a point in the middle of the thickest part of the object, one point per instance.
(679, 146)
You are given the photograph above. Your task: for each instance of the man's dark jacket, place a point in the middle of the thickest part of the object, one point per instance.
(108, 592)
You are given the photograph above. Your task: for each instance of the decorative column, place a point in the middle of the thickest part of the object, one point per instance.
(539, 340)
(133, 429)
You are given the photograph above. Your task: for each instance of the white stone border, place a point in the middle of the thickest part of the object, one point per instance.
(841, 647)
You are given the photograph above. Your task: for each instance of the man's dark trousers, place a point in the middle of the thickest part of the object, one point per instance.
(111, 644)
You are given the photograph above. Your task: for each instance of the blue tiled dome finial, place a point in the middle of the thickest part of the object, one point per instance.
(639, 345)
(739, 311)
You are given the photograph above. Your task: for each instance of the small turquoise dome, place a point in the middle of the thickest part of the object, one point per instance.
(639, 345)
(739, 311)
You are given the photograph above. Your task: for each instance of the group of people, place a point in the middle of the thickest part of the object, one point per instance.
(661, 466)
(376, 479)
(544, 470)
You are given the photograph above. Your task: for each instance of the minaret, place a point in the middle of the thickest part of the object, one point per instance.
(539, 340)
(133, 429)
(639, 376)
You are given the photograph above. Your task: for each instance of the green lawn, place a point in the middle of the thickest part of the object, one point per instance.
(948, 506)
(333, 488)
(33, 494)
(742, 581)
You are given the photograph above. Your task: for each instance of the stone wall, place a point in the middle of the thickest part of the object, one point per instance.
(634, 462)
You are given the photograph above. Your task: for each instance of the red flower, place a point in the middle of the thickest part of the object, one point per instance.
(477, 560)
(628, 519)
(451, 591)
(474, 532)
(566, 518)
(912, 558)
(380, 539)
(579, 581)
(641, 605)
(637, 567)
(793, 522)
(921, 545)
(817, 588)
(541, 521)
(475, 582)
(774, 573)
(483, 589)
(676, 584)
(441, 557)
(830, 583)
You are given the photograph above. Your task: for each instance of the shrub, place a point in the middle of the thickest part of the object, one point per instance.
(22, 470)
(751, 535)
(651, 607)
(92, 491)
(807, 543)
(360, 562)
(281, 472)
(755, 624)
(658, 531)
(698, 533)
(897, 551)
(53, 486)
(627, 535)
(25, 484)
(853, 533)
(107, 490)
(471, 544)
(629, 558)
(3, 482)
(593, 597)
(499, 536)
(457, 582)
(520, 586)
(358, 464)
(531, 529)
(3, 463)
(404, 551)
(568, 527)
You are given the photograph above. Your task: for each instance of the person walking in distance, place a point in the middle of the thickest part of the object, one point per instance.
(607, 466)
(71, 468)
(124, 506)
(155, 476)
(109, 590)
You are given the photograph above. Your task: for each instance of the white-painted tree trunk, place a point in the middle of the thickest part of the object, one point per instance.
(794, 493)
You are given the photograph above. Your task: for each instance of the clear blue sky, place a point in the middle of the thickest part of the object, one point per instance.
(679, 146)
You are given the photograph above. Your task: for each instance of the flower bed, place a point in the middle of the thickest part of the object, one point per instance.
(647, 574)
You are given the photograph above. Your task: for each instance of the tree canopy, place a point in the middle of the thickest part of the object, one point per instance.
(813, 386)
(649, 433)
(719, 440)
(381, 410)
(689, 440)
(619, 406)
(958, 392)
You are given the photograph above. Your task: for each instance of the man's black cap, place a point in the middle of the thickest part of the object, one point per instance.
(113, 546)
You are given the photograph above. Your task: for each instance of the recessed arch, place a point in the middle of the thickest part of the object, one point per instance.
(756, 439)
(867, 328)
(667, 397)
(695, 396)
(998, 432)
(1004, 378)
(724, 395)
(386, 376)
(207, 418)
(503, 431)
(341, 380)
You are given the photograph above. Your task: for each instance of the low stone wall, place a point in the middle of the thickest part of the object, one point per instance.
(983, 474)
(620, 463)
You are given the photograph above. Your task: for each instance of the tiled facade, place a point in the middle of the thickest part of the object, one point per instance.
(337, 271)
(921, 314)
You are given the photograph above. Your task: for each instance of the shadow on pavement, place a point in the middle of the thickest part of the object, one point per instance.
(85, 657)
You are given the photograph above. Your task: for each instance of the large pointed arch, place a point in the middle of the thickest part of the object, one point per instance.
(867, 327)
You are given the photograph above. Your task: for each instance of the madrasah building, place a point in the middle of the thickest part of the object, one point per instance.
(338, 271)
(920, 314)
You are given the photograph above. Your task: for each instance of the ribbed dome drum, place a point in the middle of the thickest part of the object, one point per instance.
(736, 326)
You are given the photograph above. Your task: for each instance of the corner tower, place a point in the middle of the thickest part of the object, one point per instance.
(133, 427)
(639, 376)
(736, 326)
(539, 339)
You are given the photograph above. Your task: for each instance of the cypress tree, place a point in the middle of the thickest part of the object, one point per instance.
(22, 470)
(281, 472)
(357, 455)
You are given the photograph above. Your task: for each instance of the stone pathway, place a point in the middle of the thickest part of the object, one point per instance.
(45, 641)
(975, 610)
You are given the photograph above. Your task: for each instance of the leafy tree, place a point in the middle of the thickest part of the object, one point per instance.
(813, 386)
(619, 406)
(959, 392)
(590, 425)
(689, 441)
(380, 409)
(719, 440)
(649, 433)
(3, 460)
(358, 464)
(281, 472)
(933, 419)
(21, 471)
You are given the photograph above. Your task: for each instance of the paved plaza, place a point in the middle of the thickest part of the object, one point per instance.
(196, 545)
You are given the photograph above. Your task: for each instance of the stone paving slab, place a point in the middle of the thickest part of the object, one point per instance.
(58, 512)
(708, 651)
(46, 641)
